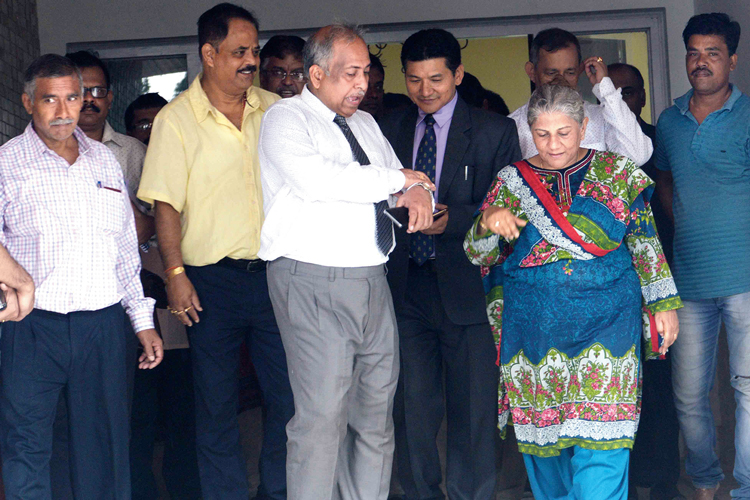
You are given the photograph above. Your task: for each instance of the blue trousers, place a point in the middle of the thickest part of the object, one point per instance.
(236, 307)
(580, 474)
(82, 355)
(693, 373)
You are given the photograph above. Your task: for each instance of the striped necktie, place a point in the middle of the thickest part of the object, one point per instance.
(383, 225)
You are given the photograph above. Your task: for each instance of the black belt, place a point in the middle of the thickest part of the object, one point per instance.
(429, 266)
(251, 266)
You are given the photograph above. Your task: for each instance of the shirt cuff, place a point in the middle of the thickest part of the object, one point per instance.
(141, 314)
(604, 89)
(396, 181)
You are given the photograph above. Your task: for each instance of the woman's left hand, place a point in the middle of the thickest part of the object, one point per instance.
(668, 327)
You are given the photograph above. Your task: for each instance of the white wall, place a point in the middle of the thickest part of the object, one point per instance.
(63, 21)
(740, 12)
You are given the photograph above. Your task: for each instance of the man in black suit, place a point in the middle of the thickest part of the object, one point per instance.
(437, 293)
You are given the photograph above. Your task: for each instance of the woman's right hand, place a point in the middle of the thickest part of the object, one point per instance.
(501, 221)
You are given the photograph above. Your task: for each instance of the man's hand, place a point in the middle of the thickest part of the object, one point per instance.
(183, 299)
(415, 176)
(595, 69)
(502, 221)
(153, 350)
(419, 203)
(11, 311)
(20, 302)
(668, 327)
(439, 225)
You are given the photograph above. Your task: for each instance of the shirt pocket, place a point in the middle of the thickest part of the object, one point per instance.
(108, 210)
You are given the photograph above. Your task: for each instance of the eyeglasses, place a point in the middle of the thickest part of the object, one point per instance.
(143, 126)
(96, 92)
(279, 73)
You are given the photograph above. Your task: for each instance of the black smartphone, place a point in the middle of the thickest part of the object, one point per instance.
(399, 215)
(439, 213)
(3, 302)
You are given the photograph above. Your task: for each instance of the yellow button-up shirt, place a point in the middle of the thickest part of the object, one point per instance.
(199, 163)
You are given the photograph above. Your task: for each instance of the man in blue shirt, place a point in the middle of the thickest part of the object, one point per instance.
(703, 144)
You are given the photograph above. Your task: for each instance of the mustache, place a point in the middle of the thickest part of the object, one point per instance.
(702, 70)
(90, 106)
(249, 67)
(360, 93)
(61, 121)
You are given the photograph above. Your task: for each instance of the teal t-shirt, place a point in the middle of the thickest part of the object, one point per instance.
(710, 165)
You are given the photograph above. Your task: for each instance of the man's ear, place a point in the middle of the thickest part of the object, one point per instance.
(27, 104)
(110, 98)
(529, 68)
(459, 74)
(316, 75)
(208, 52)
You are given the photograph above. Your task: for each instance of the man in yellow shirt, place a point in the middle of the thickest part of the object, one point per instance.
(202, 173)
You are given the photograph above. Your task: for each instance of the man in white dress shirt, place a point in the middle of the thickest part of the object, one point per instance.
(327, 174)
(555, 57)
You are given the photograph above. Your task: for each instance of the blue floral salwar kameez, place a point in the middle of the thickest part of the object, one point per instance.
(570, 296)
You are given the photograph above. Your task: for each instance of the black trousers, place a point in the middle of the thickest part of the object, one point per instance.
(434, 349)
(655, 459)
(164, 396)
(236, 307)
(82, 356)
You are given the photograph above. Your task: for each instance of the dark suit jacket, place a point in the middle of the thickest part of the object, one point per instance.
(484, 142)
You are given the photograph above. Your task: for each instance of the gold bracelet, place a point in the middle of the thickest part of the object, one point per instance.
(173, 272)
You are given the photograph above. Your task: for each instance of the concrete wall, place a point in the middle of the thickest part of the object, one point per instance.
(19, 45)
(63, 21)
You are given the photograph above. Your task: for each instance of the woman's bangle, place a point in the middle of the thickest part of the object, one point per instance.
(172, 272)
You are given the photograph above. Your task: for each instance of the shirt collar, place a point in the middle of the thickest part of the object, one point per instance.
(316, 104)
(110, 135)
(36, 147)
(202, 105)
(683, 102)
(442, 115)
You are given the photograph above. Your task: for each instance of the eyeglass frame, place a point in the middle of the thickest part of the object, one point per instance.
(281, 74)
(90, 90)
(143, 126)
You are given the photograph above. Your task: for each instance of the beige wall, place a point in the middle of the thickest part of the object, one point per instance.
(62, 21)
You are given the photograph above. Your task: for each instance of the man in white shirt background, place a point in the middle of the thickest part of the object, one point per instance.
(327, 174)
(555, 58)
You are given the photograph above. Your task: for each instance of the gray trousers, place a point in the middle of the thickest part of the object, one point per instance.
(340, 336)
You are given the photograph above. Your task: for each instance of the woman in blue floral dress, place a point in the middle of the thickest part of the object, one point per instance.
(572, 267)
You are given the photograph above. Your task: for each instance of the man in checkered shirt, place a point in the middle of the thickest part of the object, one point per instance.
(66, 219)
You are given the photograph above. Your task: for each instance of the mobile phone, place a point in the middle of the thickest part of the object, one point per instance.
(3, 302)
(399, 215)
(439, 213)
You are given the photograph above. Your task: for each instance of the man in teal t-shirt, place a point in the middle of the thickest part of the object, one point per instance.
(703, 144)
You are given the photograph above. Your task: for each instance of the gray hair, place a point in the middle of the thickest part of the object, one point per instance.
(555, 99)
(319, 47)
(49, 66)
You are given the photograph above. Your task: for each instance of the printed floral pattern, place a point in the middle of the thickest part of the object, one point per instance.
(591, 397)
(594, 386)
